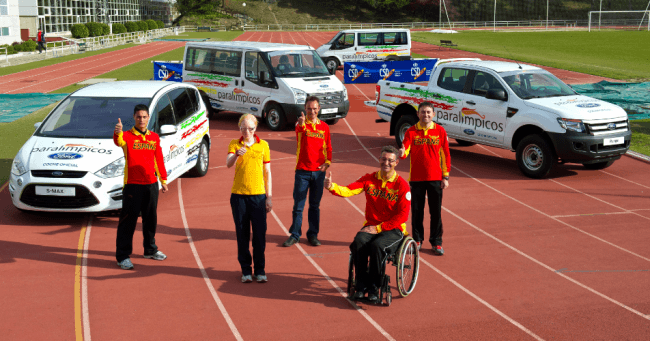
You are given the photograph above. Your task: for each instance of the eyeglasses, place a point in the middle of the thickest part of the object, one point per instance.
(383, 159)
(249, 129)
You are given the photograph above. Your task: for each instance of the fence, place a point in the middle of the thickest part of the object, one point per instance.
(420, 25)
(196, 28)
(6, 53)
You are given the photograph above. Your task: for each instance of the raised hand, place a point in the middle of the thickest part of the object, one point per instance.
(301, 119)
(241, 151)
(402, 151)
(118, 127)
(328, 180)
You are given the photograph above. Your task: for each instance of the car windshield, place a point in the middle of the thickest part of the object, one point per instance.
(537, 85)
(90, 117)
(297, 64)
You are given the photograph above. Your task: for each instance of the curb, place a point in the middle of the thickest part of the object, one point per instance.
(638, 156)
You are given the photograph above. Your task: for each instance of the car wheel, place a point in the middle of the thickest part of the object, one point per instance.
(275, 118)
(464, 143)
(208, 107)
(332, 121)
(203, 161)
(332, 64)
(598, 165)
(404, 123)
(535, 157)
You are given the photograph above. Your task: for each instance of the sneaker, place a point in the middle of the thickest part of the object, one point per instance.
(359, 295)
(419, 244)
(157, 256)
(438, 251)
(125, 264)
(246, 278)
(290, 242)
(261, 279)
(373, 296)
(314, 241)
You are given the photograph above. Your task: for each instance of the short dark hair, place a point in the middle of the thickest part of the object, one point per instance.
(426, 105)
(391, 150)
(312, 99)
(140, 107)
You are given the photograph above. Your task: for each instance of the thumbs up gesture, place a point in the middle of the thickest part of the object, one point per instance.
(118, 127)
(328, 180)
(301, 119)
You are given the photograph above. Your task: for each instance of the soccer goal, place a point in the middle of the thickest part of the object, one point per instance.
(619, 20)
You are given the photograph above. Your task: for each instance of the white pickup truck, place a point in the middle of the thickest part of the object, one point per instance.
(512, 106)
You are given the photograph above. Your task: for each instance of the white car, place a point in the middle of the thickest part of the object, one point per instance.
(71, 163)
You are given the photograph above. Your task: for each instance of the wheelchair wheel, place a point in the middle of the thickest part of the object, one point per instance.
(350, 278)
(408, 264)
(389, 298)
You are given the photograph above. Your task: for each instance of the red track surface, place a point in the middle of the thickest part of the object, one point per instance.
(563, 258)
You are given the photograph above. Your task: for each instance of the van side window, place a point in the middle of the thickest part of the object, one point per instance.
(164, 112)
(183, 106)
(254, 64)
(232, 63)
(345, 40)
(366, 39)
(484, 82)
(453, 79)
(200, 60)
(395, 38)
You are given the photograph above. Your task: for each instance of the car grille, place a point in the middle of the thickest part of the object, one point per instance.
(58, 174)
(606, 127)
(329, 98)
(82, 199)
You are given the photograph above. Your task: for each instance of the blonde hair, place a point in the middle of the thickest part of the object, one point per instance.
(246, 117)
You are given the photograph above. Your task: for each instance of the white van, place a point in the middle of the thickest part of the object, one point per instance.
(366, 45)
(270, 81)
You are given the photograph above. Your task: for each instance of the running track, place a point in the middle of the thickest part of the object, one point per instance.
(561, 258)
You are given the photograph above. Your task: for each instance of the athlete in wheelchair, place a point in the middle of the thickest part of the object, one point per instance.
(383, 237)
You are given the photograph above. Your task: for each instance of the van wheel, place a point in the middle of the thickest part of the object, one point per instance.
(598, 165)
(275, 118)
(464, 143)
(535, 157)
(203, 161)
(332, 121)
(404, 123)
(208, 107)
(332, 64)
(391, 58)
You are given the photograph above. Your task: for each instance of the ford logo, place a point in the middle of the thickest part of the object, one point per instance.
(329, 97)
(588, 105)
(253, 109)
(57, 173)
(611, 126)
(65, 156)
(468, 131)
(324, 86)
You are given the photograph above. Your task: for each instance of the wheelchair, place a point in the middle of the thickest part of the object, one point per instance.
(406, 260)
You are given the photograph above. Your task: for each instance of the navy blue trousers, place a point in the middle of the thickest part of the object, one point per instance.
(250, 211)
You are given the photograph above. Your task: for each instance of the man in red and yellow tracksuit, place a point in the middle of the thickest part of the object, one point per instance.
(144, 165)
(387, 210)
(314, 156)
(430, 163)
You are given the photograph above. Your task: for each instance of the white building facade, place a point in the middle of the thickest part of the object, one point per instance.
(9, 22)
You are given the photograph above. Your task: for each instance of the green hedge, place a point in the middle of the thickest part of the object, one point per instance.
(105, 29)
(160, 24)
(151, 24)
(142, 26)
(118, 28)
(131, 26)
(29, 45)
(79, 31)
(94, 29)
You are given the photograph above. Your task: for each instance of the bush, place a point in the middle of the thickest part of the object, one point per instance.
(151, 24)
(18, 47)
(131, 26)
(29, 45)
(10, 49)
(94, 29)
(160, 24)
(142, 25)
(105, 29)
(118, 28)
(79, 31)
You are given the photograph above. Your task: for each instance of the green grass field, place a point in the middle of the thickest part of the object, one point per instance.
(640, 136)
(623, 55)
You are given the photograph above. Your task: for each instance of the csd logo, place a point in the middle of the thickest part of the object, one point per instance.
(353, 72)
(383, 72)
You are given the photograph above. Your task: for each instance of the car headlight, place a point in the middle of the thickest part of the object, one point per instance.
(115, 168)
(573, 125)
(18, 167)
(345, 94)
(299, 95)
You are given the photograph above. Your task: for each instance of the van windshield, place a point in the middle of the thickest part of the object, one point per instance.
(297, 64)
(90, 117)
(537, 85)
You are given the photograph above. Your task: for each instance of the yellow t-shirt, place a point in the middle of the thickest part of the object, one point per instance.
(249, 169)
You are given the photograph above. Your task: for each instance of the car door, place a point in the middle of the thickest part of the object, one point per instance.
(192, 126)
(345, 47)
(486, 117)
(369, 46)
(448, 100)
(229, 65)
(258, 90)
(163, 114)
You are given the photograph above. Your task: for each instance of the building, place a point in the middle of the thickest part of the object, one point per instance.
(9, 22)
(163, 10)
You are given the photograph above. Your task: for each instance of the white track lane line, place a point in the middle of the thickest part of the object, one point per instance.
(207, 280)
(327, 277)
(84, 283)
(616, 176)
(465, 290)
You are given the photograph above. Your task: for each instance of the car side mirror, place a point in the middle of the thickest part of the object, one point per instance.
(167, 129)
(262, 77)
(497, 94)
(37, 125)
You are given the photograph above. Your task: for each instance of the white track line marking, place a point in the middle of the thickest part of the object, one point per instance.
(616, 176)
(207, 280)
(497, 311)
(327, 277)
(84, 282)
(588, 214)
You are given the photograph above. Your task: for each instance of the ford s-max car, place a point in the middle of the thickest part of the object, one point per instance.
(71, 163)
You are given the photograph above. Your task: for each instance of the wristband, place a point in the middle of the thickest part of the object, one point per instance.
(446, 178)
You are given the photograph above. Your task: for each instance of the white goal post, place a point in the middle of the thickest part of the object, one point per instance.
(625, 20)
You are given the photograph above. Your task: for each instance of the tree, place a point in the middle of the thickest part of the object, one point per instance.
(194, 7)
(387, 5)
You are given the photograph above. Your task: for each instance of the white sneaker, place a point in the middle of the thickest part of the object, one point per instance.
(246, 278)
(157, 256)
(261, 279)
(125, 264)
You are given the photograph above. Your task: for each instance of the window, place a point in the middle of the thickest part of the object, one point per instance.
(3, 9)
(368, 39)
(484, 82)
(214, 61)
(164, 112)
(4, 31)
(345, 40)
(183, 105)
(395, 38)
(254, 65)
(453, 79)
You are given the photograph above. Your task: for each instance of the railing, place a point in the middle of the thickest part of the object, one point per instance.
(6, 53)
(195, 28)
(111, 40)
(415, 25)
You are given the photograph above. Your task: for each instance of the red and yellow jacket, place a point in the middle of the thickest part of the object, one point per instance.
(143, 156)
(429, 149)
(388, 202)
(314, 145)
